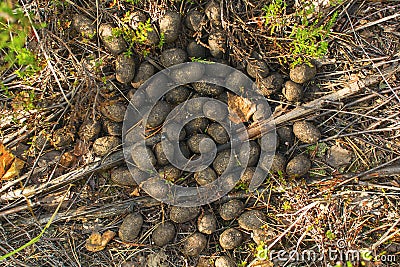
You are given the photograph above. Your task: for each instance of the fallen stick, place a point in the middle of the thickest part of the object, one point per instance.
(108, 210)
(253, 131)
(256, 129)
(109, 161)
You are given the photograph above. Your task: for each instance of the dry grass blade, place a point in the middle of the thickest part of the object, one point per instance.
(37, 238)
(376, 22)
(387, 235)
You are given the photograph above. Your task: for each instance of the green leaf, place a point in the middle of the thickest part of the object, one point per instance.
(330, 235)
(366, 254)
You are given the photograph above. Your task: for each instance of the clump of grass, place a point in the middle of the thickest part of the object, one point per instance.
(15, 28)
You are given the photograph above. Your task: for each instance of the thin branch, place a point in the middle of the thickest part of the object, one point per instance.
(71, 177)
(350, 89)
(372, 23)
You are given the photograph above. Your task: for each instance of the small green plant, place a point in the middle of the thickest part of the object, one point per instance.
(330, 235)
(286, 206)
(274, 14)
(131, 36)
(241, 186)
(318, 149)
(128, 53)
(308, 28)
(142, 30)
(15, 28)
(91, 35)
(281, 176)
(145, 52)
(309, 40)
(262, 252)
(4, 90)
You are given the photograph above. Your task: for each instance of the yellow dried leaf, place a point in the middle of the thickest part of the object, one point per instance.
(135, 192)
(5, 160)
(240, 108)
(14, 169)
(10, 166)
(97, 242)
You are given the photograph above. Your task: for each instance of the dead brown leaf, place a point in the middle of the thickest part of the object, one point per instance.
(97, 242)
(136, 85)
(240, 108)
(81, 148)
(68, 159)
(135, 192)
(5, 160)
(10, 166)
